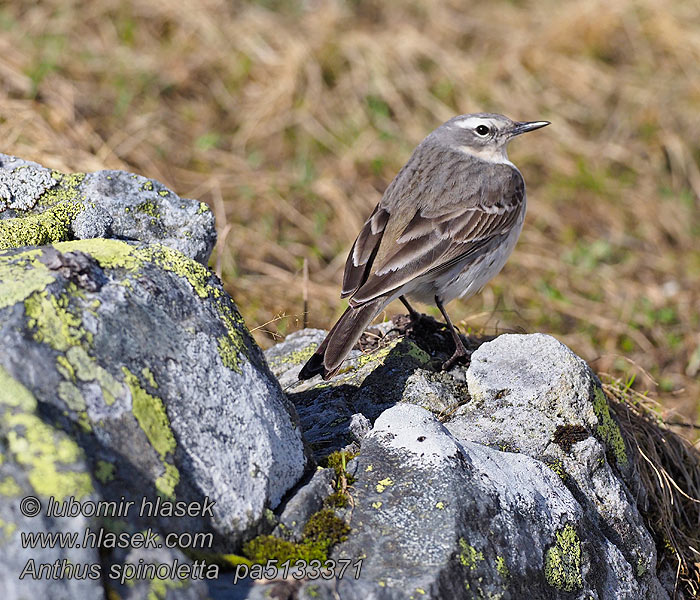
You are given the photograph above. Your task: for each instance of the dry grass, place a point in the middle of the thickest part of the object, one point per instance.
(669, 470)
(290, 118)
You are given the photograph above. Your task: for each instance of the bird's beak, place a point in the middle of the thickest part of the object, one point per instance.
(525, 126)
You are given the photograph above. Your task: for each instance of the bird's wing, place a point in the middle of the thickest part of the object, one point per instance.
(361, 257)
(433, 235)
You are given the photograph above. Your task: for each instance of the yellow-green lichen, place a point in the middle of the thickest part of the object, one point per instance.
(6, 530)
(87, 369)
(297, 357)
(150, 413)
(203, 207)
(64, 368)
(149, 207)
(147, 186)
(158, 588)
(378, 356)
(21, 275)
(232, 344)
(562, 561)
(9, 487)
(608, 429)
(557, 466)
(468, 555)
(383, 484)
(149, 378)
(117, 254)
(61, 205)
(376, 505)
(502, 568)
(47, 454)
(54, 321)
(440, 505)
(104, 471)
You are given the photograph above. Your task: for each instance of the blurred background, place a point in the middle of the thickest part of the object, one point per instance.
(290, 118)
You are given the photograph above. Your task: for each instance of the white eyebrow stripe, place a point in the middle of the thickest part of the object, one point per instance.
(471, 122)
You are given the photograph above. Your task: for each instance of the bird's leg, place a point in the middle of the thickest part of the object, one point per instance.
(412, 312)
(460, 351)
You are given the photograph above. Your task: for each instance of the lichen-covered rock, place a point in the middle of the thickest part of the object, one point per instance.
(38, 461)
(333, 412)
(508, 478)
(39, 206)
(139, 355)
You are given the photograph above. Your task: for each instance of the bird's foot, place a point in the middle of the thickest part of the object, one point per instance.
(460, 356)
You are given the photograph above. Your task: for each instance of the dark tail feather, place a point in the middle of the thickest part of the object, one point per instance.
(340, 339)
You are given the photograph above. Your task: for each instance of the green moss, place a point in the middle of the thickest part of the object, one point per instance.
(268, 547)
(562, 561)
(418, 354)
(149, 207)
(21, 275)
(150, 413)
(608, 429)
(337, 499)
(502, 568)
(104, 471)
(468, 555)
(323, 530)
(338, 461)
(225, 561)
(47, 454)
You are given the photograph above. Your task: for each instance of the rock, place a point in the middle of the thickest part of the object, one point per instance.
(139, 573)
(38, 461)
(127, 376)
(39, 206)
(508, 478)
(140, 355)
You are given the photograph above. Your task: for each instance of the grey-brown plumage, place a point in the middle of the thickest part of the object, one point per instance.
(444, 227)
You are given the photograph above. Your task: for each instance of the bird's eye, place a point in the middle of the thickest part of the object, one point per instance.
(483, 130)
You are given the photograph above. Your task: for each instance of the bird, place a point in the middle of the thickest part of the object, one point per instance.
(444, 227)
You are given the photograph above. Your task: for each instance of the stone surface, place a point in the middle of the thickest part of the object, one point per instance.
(39, 206)
(508, 478)
(307, 500)
(40, 461)
(139, 353)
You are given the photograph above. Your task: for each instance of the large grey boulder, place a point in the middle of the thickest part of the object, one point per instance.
(508, 478)
(139, 381)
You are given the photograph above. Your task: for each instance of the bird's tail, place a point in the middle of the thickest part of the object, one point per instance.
(340, 339)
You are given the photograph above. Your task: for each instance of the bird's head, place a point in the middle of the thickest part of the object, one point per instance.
(484, 135)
